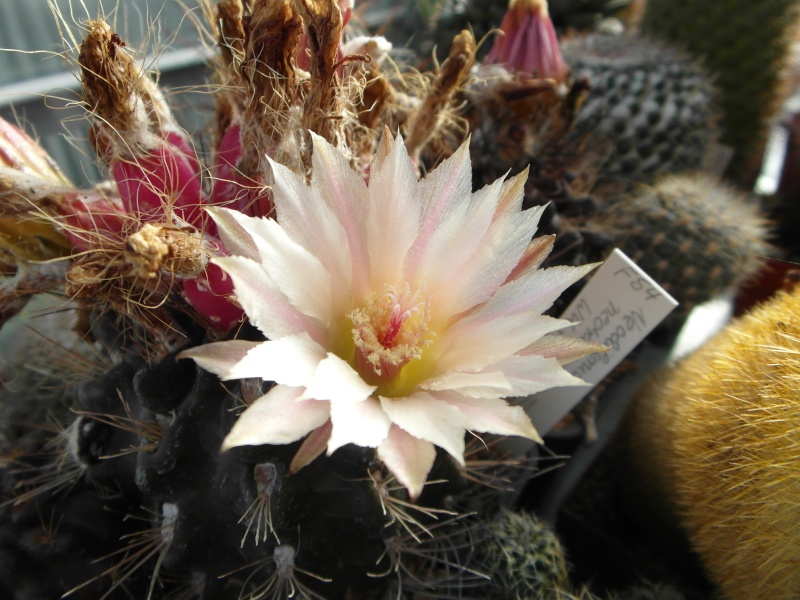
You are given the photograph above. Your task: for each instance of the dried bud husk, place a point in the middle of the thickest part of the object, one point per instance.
(156, 248)
(426, 120)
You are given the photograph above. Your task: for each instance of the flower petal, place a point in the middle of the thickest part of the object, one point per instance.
(472, 343)
(493, 415)
(313, 225)
(267, 307)
(361, 423)
(335, 380)
(532, 374)
(534, 291)
(290, 360)
(281, 416)
(345, 193)
(220, 358)
(443, 191)
(235, 237)
(297, 273)
(429, 419)
(483, 384)
(314, 445)
(408, 458)
(393, 220)
(563, 348)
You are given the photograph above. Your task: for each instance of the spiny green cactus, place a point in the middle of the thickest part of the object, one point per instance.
(525, 560)
(719, 432)
(744, 45)
(649, 105)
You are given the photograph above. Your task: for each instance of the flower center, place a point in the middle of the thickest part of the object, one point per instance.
(390, 330)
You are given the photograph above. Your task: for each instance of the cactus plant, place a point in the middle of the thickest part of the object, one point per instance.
(393, 311)
(649, 105)
(694, 235)
(716, 436)
(744, 45)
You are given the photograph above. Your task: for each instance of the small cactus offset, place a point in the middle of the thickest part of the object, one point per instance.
(745, 45)
(694, 235)
(526, 561)
(718, 432)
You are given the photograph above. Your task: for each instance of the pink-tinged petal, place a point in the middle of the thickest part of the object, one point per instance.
(492, 384)
(532, 374)
(444, 190)
(429, 419)
(360, 423)
(500, 251)
(266, 306)
(278, 417)
(290, 360)
(535, 291)
(455, 244)
(235, 237)
(473, 343)
(562, 348)
(535, 254)
(512, 194)
(314, 445)
(337, 381)
(220, 358)
(295, 271)
(345, 192)
(393, 213)
(493, 415)
(313, 225)
(408, 458)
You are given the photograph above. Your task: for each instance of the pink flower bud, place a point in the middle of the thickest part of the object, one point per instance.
(232, 188)
(209, 295)
(161, 179)
(529, 43)
(88, 215)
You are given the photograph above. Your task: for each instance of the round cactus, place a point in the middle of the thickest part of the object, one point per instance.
(717, 436)
(694, 235)
(649, 105)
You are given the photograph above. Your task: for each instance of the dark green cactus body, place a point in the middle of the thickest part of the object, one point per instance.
(744, 45)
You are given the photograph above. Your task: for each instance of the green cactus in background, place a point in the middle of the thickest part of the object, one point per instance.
(744, 44)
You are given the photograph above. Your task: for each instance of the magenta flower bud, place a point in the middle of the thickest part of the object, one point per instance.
(163, 179)
(232, 188)
(88, 216)
(529, 43)
(209, 295)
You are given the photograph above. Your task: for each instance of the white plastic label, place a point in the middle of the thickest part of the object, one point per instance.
(619, 306)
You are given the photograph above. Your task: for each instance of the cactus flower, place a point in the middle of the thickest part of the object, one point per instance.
(529, 43)
(398, 314)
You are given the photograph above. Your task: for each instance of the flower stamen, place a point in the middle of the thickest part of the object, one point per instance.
(390, 330)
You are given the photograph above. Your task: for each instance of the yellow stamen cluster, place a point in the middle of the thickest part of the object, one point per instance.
(389, 331)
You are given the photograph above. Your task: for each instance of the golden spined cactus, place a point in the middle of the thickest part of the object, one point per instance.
(718, 435)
